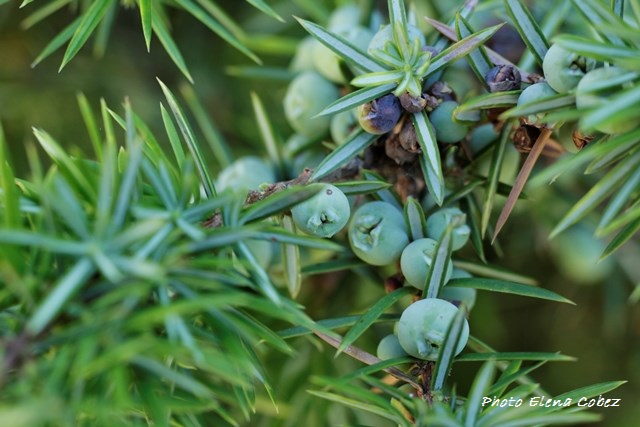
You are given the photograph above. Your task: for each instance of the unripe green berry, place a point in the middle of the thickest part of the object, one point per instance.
(380, 115)
(307, 95)
(306, 159)
(343, 124)
(447, 129)
(416, 259)
(324, 214)
(327, 63)
(576, 252)
(390, 348)
(384, 36)
(378, 233)
(303, 58)
(344, 17)
(510, 165)
(262, 250)
(482, 136)
(534, 93)
(423, 326)
(564, 69)
(429, 202)
(589, 96)
(458, 295)
(245, 174)
(458, 80)
(437, 224)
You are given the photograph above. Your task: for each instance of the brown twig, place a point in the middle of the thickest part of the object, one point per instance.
(348, 171)
(215, 220)
(263, 193)
(368, 358)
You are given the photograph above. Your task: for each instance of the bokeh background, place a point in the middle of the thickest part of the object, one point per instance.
(602, 330)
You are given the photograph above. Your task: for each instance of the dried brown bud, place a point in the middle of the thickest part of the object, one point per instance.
(412, 104)
(408, 138)
(442, 91)
(524, 137)
(580, 139)
(393, 283)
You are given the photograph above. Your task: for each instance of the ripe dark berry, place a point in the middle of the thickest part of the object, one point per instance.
(380, 115)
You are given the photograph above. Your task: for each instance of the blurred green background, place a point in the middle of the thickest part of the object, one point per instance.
(602, 330)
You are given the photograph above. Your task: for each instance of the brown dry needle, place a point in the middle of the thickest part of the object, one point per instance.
(521, 179)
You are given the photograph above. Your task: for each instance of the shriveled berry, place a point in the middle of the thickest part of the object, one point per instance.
(416, 259)
(438, 222)
(408, 138)
(564, 69)
(412, 104)
(423, 326)
(502, 78)
(447, 129)
(441, 91)
(324, 214)
(380, 115)
(378, 233)
(389, 348)
(394, 150)
(307, 95)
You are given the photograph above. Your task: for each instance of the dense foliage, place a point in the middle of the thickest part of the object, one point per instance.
(172, 271)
